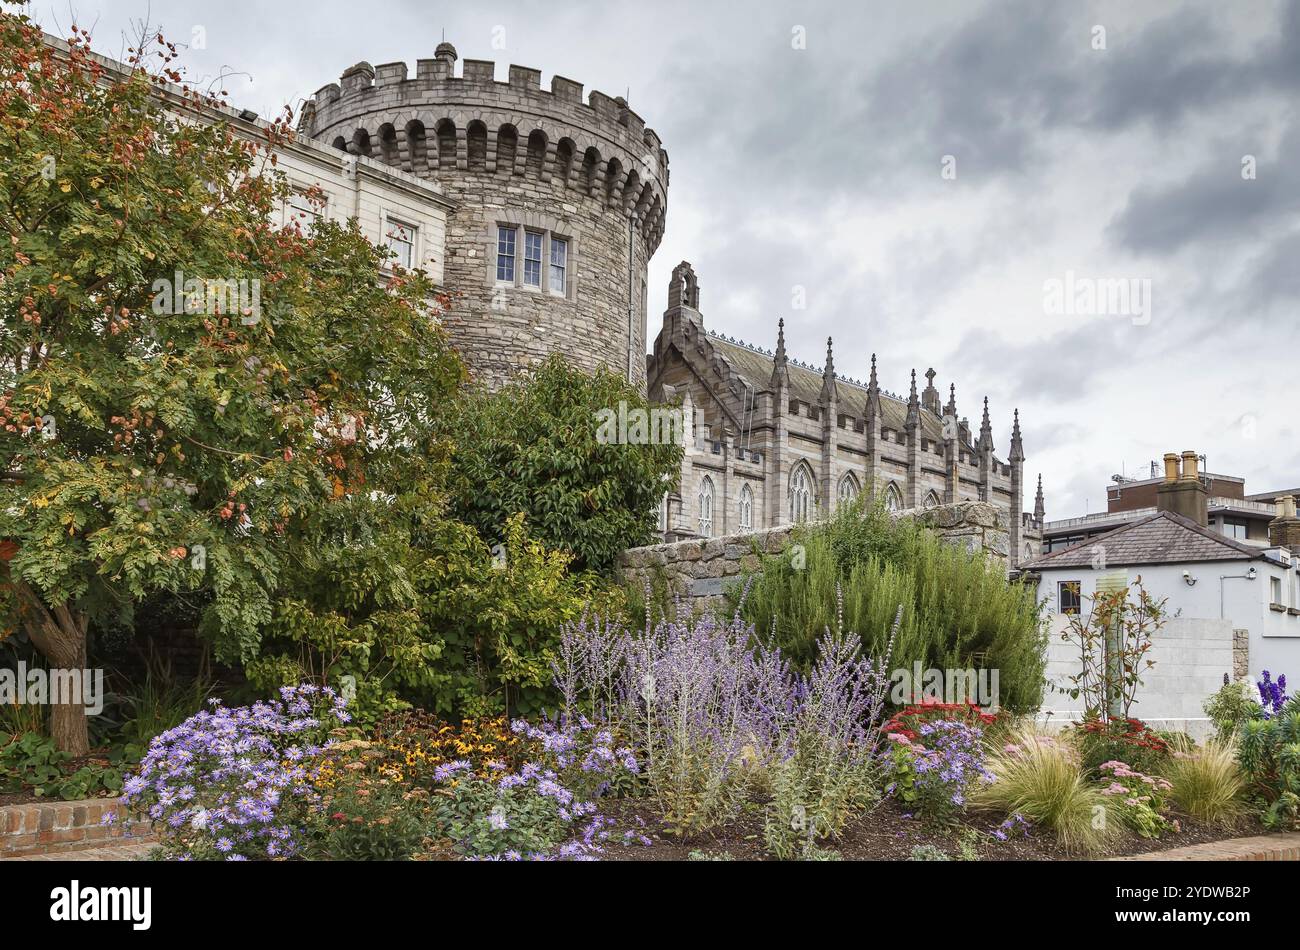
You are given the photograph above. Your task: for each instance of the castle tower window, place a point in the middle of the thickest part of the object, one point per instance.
(746, 508)
(801, 493)
(533, 258)
(506, 254)
(559, 264)
(400, 240)
(848, 489)
(706, 507)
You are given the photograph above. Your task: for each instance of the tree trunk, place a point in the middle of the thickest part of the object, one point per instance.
(60, 636)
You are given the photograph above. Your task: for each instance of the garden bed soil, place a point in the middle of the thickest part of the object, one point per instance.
(886, 835)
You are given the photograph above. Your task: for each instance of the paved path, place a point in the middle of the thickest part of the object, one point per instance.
(124, 851)
(1278, 847)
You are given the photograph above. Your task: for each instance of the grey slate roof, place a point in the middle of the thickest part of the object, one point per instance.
(1162, 538)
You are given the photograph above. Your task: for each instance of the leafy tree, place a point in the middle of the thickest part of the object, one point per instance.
(160, 431)
(536, 447)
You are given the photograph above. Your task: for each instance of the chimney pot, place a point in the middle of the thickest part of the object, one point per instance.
(1171, 467)
(1190, 467)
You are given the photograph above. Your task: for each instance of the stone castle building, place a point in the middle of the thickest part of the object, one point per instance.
(539, 212)
(558, 206)
(776, 441)
(558, 203)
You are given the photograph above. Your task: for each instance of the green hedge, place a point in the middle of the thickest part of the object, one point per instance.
(959, 609)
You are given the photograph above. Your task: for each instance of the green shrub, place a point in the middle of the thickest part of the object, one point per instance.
(1231, 707)
(1039, 778)
(533, 447)
(1207, 783)
(1270, 756)
(960, 611)
(377, 826)
(31, 763)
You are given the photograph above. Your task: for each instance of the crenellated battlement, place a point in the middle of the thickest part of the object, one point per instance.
(437, 122)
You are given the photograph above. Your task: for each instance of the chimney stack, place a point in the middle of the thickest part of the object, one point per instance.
(1284, 530)
(1182, 491)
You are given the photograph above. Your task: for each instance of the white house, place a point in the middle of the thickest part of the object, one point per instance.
(1234, 608)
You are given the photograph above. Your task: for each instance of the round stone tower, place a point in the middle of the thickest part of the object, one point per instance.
(560, 203)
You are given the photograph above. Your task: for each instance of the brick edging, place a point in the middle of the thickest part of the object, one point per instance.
(1274, 847)
(45, 827)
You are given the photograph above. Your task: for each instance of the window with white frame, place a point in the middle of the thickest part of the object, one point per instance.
(746, 508)
(400, 238)
(1069, 597)
(801, 495)
(304, 212)
(559, 265)
(706, 507)
(542, 263)
(533, 258)
(506, 253)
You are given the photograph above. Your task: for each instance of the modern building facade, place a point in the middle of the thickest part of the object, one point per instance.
(1233, 606)
(1229, 509)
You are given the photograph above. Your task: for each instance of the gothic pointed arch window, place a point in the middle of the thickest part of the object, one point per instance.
(848, 489)
(931, 499)
(706, 507)
(746, 508)
(801, 492)
(893, 498)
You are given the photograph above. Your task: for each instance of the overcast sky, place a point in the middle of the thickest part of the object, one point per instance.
(923, 171)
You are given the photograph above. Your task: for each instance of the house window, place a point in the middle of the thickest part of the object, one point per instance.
(559, 264)
(1069, 596)
(706, 507)
(746, 509)
(506, 254)
(1275, 589)
(401, 242)
(800, 493)
(1234, 528)
(533, 258)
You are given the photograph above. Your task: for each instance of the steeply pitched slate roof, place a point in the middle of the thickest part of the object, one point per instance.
(1162, 538)
(806, 385)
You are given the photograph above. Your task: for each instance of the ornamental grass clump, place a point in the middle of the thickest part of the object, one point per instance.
(1039, 777)
(237, 783)
(1207, 784)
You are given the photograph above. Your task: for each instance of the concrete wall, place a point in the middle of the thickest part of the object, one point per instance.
(1191, 657)
(698, 570)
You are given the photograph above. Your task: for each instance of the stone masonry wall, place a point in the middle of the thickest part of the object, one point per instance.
(698, 570)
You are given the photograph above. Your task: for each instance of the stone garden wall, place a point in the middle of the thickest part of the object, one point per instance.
(697, 570)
